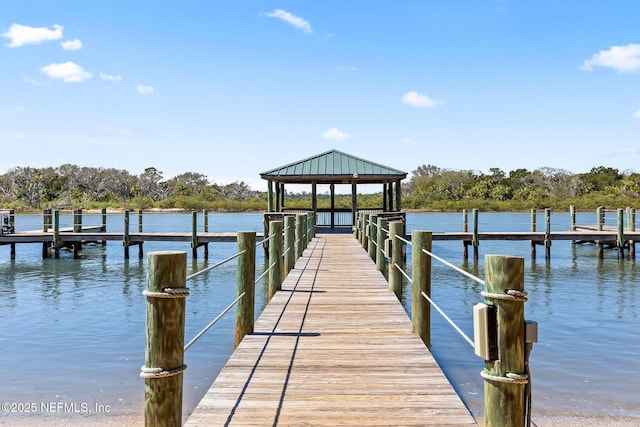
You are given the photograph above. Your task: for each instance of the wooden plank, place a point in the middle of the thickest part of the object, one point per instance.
(333, 347)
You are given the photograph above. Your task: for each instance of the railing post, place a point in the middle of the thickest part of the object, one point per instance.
(56, 233)
(126, 239)
(373, 235)
(245, 279)
(289, 244)
(194, 234)
(421, 282)
(275, 258)
(534, 219)
(504, 401)
(396, 228)
(380, 238)
(164, 355)
(547, 233)
(365, 231)
(620, 234)
(299, 235)
(476, 240)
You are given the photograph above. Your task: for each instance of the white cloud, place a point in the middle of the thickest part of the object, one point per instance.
(144, 89)
(20, 35)
(352, 69)
(71, 44)
(123, 131)
(419, 100)
(335, 134)
(624, 59)
(68, 72)
(636, 114)
(296, 21)
(110, 77)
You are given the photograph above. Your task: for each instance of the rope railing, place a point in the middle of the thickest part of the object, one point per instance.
(216, 265)
(458, 269)
(213, 322)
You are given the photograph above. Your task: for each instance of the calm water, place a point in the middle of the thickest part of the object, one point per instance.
(73, 330)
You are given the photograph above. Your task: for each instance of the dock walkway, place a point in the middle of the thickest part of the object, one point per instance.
(333, 347)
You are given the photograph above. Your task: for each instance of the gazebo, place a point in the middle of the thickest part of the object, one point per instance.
(334, 168)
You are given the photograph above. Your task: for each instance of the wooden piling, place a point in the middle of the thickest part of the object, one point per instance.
(632, 227)
(194, 234)
(46, 225)
(299, 245)
(77, 228)
(205, 215)
(165, 339)
(373, 233)
(547, 234)
(126, 240)
(476, 240)
(365, 231)
(381, 264)
(103, 227)
(505, 401)
(534, 218)
(620, 234)
(12, 226)
(421, 282)
(56, 233)
(396, 228)
(465, 229)
(289, 244)
(245, 279)
(275, 276)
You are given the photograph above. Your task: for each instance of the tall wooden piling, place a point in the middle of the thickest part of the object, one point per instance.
(373, 233)
(476, 240)
(534, 217)
(465, 229)
(381, 264)
(421, 282)
(504, 399)
(245, 279)
(56, 233)
(126, 240)
(165, 339)
(47, 223)
(547, 234)
(194, 234)
(620, 233)
(275, 258)
(365, 231)
(289, 244)
(396, 228)
(632, 228)
(299, 244)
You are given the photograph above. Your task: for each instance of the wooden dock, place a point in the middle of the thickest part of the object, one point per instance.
(333, 347)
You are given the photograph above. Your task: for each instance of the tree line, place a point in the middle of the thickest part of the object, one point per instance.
(429, 187)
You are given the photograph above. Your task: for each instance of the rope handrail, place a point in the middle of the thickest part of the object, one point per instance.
(451, 322)
(265, 240)
(458, 269)
(213, 322)
(287, 251)
(404, 273)
(402, 239)
(224, 261)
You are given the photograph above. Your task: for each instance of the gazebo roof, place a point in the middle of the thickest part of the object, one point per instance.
(334, 167)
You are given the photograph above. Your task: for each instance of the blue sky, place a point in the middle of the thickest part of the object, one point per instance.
(230, 89)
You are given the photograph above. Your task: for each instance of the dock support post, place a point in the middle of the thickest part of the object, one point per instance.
(126, 240)
(547, 234)
(56, 233)
(205, 215)
(299, 245)
(373, 233)
(572, 216)
(421, 282)
(194, 234)
(599, 224)
(396, 228)
(475, 241)
(365, 231)
(465, 229)
(165, 339)
(534, 219)
(245, 279)
(77, 228)
(504, 402)
(46, 225)
(620, 234)
(103, 227)
(632, 228)
(12, 226)
(380, 253)
(275, 258)
(289, 244)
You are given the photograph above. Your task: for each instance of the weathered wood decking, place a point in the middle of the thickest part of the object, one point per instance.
(333, 347)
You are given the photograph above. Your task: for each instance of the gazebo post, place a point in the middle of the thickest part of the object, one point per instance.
(332, 186)
(354, 202)
(398, 196)
(314, 198)
(390, 195)
(384, 197)
(270, 196)
(277, 206)
(282, 196)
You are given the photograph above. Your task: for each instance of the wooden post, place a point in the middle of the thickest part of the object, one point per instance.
(141, 243)
(299, 245)
(46, 225)
(475, 241)
(365, 231)
(620, 234)
(534, 219)
(126, 239)
(396, 228)
(56, 233)
(599, 217)
(205, 214)
(275, 258)
(354, 202)
(165, 339)
(12, 227)
(194, 234)
(77, 228)
(103, 227)
(465, 229)
(504, 401)
(384, 197)
(547, 233)
(572, 216)
(332, 190)
(270, 196)
(421, 282)
(245, 279)
(373, 233)
(289, 244)
(314, 196)
(398, 196)
(632, 228)
(381, 264)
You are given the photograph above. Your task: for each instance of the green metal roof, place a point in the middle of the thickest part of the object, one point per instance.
(331, 166)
